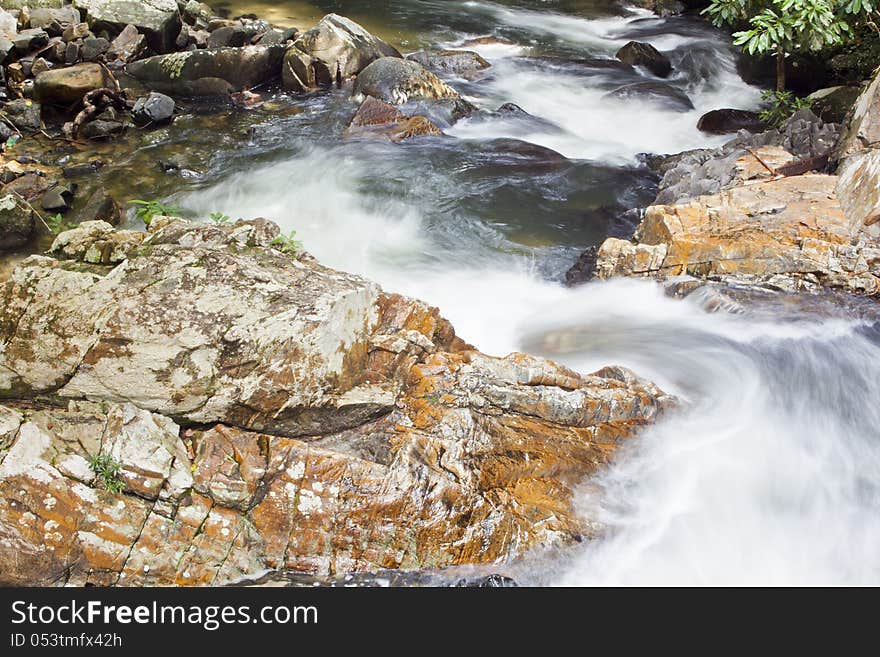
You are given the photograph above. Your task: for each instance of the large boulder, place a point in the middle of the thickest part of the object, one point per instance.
(209, 72)
(67, 86)
(334, 427)
(16, 222)
(725, 121)
(398, 81)
(336, 49)
(647, 56)
(158, 20)
(833, 104)
(787, 233)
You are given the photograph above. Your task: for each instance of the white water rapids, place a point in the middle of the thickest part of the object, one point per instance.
(770, 475)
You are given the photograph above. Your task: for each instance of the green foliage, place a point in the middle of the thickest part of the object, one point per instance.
(146, 210)
(108, 472)
(288, 243)
(781, 105)
(219, 218)
(787, 26)
(57, 224)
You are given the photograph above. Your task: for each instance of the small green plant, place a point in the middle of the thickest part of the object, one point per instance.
(57, 224)
(146, 210)
(219, 218)
(288, 243)
(781, 105)
(108, 472)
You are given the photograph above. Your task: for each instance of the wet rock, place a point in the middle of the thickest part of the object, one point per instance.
(336, 49)
(233, 36)
(27, 41)
(584, 270)
(24, 114)
(17, 222)
(158, 20)
(783, 233)
(129, 46)
(398, 81)
(209, 72)
(57, 199)
(658, 92)
(647, 56)
(155, 108)
(724, 121)
(386, 421)
(100, 206)
(462, 63)
(100, 129)
(72, 53)
(195, 12)
(377, 118)
(67, 86)
(29, 186)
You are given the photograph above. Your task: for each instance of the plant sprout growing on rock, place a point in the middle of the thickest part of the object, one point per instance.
(108, 472)
(146, 210)
(288, 243)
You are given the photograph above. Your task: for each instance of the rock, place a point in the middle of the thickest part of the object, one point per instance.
(8, 23)
(102, 129)
(724, 121)
(786, 233)
(233, 36)
(209, 72)
(833, 104)
(195, 12)
(75, 32)
(100, 206)
(32, 4)
(40, 66)
(658, 92)
(336, 49)
(54, 21)
(27, 41)
(96, 242)
(377, 118)
(93, 48)
(57, 199)
(17, 222)
(462, 63)
(158, 20)
(30, 186)
(155, 108)
(24, 114)
(129, 46)
(72, 52)
(67, 86)
(667, 8)
(647, 56)
(385, 443)
(705, 172)
(584, 270)
(398, 81)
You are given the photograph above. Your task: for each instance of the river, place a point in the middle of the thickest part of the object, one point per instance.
(771, 474)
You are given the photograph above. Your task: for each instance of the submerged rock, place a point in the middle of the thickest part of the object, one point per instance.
(658, 92)
(336, 49)
(336, 428)
(377, 118)
(16, 222)
(647, 56)
(209, 72)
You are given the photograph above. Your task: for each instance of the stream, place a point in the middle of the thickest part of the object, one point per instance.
(771, 473)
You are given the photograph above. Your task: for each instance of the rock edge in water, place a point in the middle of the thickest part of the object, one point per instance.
(269, 413)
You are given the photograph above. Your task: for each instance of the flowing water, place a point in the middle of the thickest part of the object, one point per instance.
(771, 474)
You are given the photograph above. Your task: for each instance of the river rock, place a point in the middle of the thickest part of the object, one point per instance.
(24, 114)
(209, 72)
(128, 46)
(647, 56)
(724, 121)
(54, 21)
(398, 81)
(154, 108)
(336, 49)
(16, 222)
(377, 118)
(334, 427)
(27, 41)
(833, 104)
(100, 206)
(787, 233)
(658, 92)
(462, 63)
(67, 86)
(158, 20)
